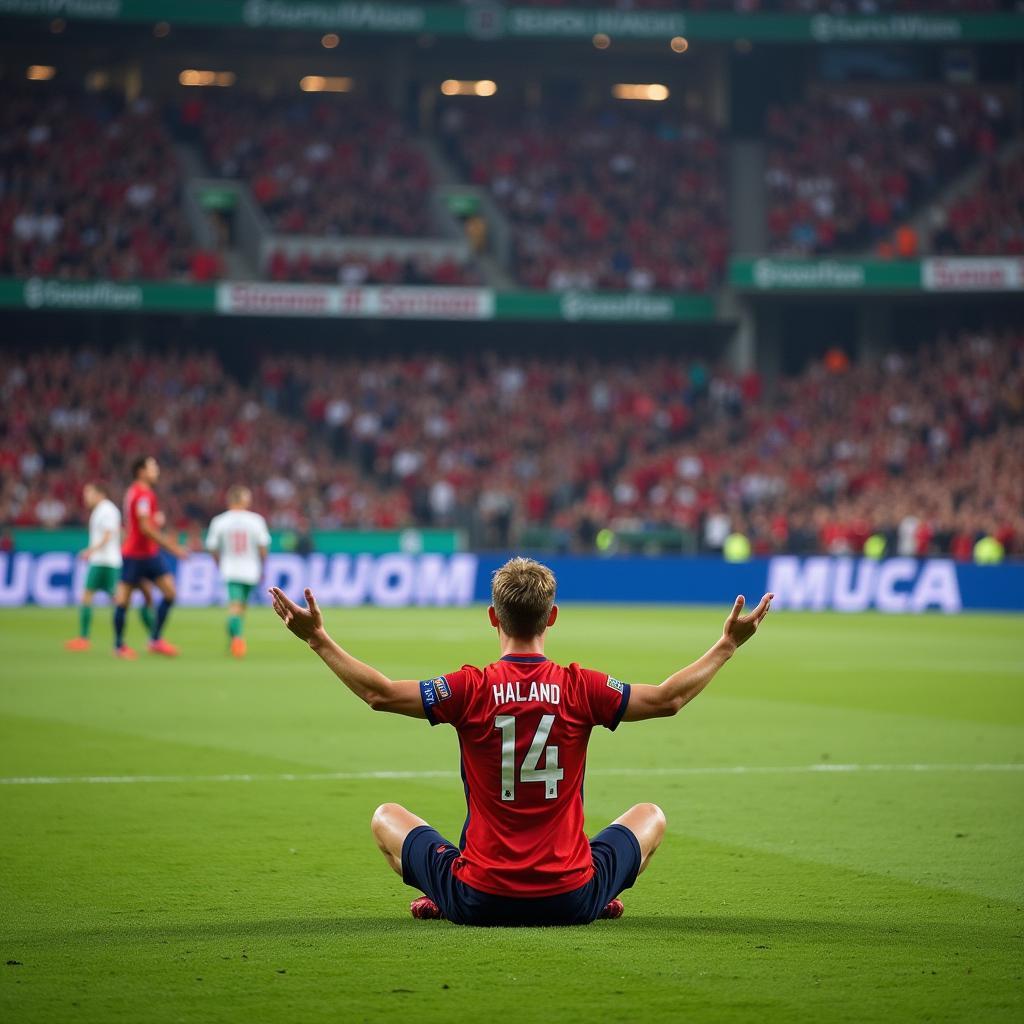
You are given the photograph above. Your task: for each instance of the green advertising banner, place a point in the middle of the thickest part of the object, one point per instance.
(109, 296)
(487, 21)
(838, 275)
(940, 274)
(262, 298)
(573, 306)
(330, 542)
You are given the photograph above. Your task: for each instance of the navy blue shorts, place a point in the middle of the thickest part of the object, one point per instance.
(427, 859)
(135, 570)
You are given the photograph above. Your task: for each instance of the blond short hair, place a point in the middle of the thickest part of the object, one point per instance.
(239, 494)
(523, 592)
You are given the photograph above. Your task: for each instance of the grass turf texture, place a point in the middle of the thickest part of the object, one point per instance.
(874, 895)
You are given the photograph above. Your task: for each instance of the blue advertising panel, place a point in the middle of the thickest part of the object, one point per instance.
(817, 583)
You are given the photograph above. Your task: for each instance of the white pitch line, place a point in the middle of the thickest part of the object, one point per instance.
(824, 768)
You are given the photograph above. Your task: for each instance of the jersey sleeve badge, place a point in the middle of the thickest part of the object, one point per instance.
(614, 684)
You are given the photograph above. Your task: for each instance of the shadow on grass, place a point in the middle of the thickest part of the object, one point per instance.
(791, 930)
(785, 931)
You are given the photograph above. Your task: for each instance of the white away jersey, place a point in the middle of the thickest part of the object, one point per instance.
(105, 517)
(237, 536)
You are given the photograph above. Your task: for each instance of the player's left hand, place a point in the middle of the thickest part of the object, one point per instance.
(740, 628)
(306, 623)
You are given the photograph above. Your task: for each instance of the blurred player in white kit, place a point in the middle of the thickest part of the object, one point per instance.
(104, 557)
(238, 539)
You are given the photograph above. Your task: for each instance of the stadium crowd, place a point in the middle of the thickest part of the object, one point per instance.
(844, 168)
(923, 448)
(988, 220)
(357, 269)
(91, 189)
(613, 199)
(616, 199)
(344, 167)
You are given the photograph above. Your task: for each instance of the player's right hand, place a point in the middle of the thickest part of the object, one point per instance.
(740, 628)
(306, 623)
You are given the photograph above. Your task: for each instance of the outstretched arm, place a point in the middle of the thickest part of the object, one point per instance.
(401, 696)
(682, 686)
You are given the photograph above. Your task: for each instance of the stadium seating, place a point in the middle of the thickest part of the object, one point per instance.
(843, 168)
(90, 188)
(358, 269)
(343, 167)
(611, 199)
(988, 220)
(71, 416)
(922, 447)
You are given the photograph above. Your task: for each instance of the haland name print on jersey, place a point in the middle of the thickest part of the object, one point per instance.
(514, 692)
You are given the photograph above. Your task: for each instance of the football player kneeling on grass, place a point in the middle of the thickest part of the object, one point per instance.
(523, 725)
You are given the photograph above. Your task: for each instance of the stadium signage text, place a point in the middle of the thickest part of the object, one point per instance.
(495, 21)
(827, 28)
(855, 585)
(407, 302)
(823, 274)
(367, 17)
(54, 579)
(581, 306)
(90, 9)
(399, 579)
(89, 295)
(256, 299)
(967, 273)
(524, 21)
(973, 274)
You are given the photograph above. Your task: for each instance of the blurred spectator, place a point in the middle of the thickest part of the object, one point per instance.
(844, 168)
(341, 166)
(90, 189)
(618, 199)
(355, 269)
(989, 219)
(923, 449)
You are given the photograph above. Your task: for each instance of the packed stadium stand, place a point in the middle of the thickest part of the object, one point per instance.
(611, 199)
(90, 188)
(987, 220)
(614, 198)
(357, 269)
(922, 446)
(843, 168)
(341, 168)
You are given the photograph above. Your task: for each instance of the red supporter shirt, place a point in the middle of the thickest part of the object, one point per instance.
(139, 500)
(524, 724)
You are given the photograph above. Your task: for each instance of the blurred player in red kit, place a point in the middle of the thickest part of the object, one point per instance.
(143, 557)
(523, 724)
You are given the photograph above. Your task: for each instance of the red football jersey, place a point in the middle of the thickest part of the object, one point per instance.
(524, 724)
(139, 500)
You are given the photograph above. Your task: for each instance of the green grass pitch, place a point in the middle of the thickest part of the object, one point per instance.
(829, 881)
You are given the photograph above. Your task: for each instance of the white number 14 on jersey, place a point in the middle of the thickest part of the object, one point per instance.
(550, 774)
